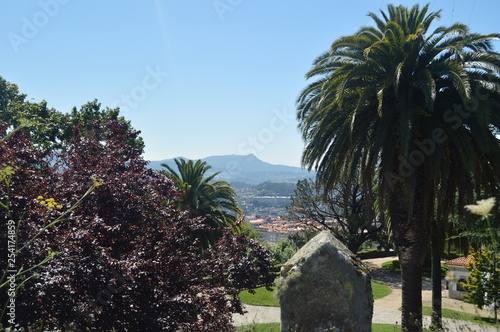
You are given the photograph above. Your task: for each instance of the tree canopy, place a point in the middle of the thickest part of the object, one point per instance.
(124, 257)
(483, 283)
(341, 211)
(49, 128)
(201, 195)
(413, 111)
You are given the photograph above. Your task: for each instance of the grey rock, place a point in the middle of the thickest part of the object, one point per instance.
(324, 287)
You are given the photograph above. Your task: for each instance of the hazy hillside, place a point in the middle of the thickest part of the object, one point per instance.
(248, 169)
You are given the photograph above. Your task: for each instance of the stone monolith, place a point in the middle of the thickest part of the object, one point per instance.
(324, 287)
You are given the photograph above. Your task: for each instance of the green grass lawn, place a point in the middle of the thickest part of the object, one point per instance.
(275, 327)
(447, 313)
(261, 297)
(386, 328)
(380, 290)
(266, 298)
(266, 327)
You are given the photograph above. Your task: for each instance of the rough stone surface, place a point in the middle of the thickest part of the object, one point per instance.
(324, 287)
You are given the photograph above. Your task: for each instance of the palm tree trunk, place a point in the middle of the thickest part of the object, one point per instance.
(411, 256)
(495, 302)
(411, 317)
(436, 317)
(411, 229)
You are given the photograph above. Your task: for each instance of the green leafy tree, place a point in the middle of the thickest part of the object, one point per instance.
(483, 283)
(202, 196)
(48, 128)
(285, 248)
(342, 211)
(46, 125)
(93, 112)
(413, 112)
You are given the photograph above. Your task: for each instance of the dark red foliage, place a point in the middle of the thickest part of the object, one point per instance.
(126, 257)
(30, 176)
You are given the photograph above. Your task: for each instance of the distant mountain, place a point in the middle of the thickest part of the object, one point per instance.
(248, 169)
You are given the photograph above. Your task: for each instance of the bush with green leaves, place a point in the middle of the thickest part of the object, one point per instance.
(395, 266)
(285, 248)
(483, 283)
(50, 128)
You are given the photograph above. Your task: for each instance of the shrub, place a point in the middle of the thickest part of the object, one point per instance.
(125, 257)
(393, 266)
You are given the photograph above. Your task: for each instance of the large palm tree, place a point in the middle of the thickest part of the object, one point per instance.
(201, 196)
(414, 112)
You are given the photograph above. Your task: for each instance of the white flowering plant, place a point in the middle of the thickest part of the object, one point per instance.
(483, 208)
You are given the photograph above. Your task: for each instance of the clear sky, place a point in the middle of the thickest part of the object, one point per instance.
(198, 78)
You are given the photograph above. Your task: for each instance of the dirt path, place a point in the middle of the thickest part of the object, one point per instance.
(393, 300)
(381, 315)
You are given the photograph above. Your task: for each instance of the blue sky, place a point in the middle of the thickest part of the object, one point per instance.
(198, 78)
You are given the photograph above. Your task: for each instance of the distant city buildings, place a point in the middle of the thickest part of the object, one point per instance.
(271, 229)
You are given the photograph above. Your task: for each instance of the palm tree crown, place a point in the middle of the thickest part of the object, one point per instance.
(382, 89)
(203, 197)
(414, 112)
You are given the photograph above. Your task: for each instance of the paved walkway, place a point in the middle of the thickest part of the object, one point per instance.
(393, 300)
(381, 315)
(386, 309)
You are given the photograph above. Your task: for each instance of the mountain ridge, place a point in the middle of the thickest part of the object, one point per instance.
(245, 168)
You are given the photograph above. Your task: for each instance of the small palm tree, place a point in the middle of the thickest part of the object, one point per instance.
(415, 112)
(203, 197)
